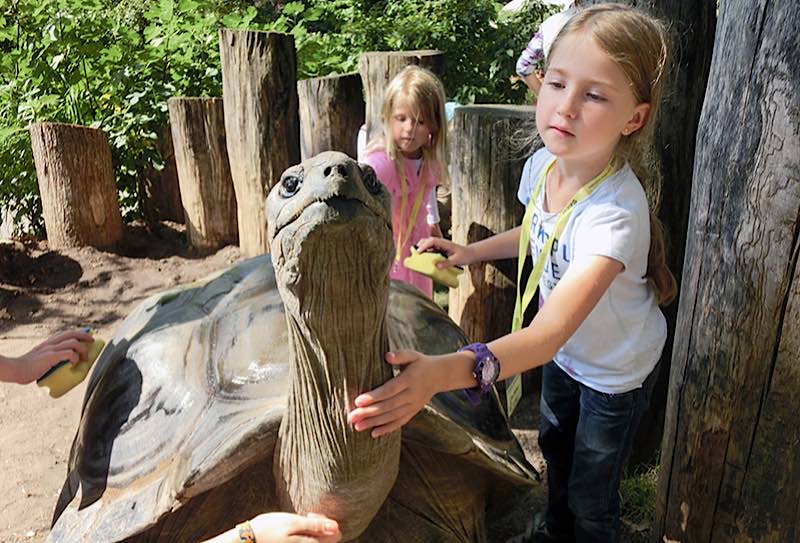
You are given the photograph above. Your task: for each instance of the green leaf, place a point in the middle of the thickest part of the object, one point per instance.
(293, 8)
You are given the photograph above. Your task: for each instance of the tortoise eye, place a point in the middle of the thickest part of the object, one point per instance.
(370, 179)
(290, 184)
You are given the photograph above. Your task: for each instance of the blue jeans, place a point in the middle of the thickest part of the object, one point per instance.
(585, 436)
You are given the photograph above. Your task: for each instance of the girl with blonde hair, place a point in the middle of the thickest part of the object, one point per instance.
(599, 265)
(411, 160)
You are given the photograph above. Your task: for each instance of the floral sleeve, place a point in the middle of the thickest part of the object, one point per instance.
(532, 58)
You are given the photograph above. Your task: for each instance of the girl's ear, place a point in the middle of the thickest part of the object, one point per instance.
(637, 120)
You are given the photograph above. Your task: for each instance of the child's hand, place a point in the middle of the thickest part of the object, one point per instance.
(72, 345)
(435, 231)
(395, 402)
(455, 255)
(285, 527)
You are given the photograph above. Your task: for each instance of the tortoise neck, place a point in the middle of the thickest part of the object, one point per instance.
(322, 464)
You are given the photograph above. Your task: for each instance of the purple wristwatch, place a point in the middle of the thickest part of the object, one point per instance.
(486, 371)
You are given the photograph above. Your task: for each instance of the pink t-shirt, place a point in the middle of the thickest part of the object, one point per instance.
(385, 169)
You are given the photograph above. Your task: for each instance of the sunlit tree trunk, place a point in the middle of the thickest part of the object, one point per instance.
(259, 87)
(76, 182)
(730, 462)
(331, 112)
(209, 202)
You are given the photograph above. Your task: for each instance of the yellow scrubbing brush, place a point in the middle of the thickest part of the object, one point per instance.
(425, 263)
(64, 376)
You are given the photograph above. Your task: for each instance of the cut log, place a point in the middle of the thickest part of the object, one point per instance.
(261, 122)
(161, 194)
(730, 462)
(331, 112)
(378, 68)
(485, 179)
(76, 182)
(201, 156)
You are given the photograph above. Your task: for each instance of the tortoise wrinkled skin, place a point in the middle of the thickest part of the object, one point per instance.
(223, 399)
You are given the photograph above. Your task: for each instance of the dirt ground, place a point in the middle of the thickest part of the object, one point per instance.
(44, 291)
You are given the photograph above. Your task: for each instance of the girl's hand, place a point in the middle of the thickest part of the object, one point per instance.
(72, 345)
(456, 255)
(288, 527)
(394, 403)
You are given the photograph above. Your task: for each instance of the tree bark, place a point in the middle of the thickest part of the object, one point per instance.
(377, 70)
(162, 194)
(331, 112)
(201, 156)
(730, 464)
(76, 182)
(485, 169)
(692, 24)
(263, 134)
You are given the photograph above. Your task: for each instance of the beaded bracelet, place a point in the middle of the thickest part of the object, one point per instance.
(246, 534)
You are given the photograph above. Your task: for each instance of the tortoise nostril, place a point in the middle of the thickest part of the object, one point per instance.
(327, 171)
(342, 170)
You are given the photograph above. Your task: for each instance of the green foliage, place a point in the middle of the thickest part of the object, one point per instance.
(112, 64)
(638, 496)
(108, 65)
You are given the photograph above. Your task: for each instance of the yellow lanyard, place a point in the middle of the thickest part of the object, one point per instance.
(514, 385)
(401, 238)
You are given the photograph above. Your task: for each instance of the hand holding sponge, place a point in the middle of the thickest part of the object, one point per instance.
(425, 263)
(62, 377)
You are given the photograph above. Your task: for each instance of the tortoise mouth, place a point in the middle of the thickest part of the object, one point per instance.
(330, 211)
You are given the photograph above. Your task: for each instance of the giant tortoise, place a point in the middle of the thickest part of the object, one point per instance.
(224, 399)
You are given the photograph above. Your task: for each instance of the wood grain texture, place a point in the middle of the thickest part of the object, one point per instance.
(331, 112)
(201, 156)
(729, 463)
(259, 89)
(485, 178)
(76, 183)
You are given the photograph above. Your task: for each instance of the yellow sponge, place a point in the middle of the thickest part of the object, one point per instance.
(425, 263)
(64, 376)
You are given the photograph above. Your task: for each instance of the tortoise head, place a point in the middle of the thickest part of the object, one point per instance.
(329, 221)
(330, 236)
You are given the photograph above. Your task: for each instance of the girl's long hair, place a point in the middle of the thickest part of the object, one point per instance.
(423, 92)
(638, 43)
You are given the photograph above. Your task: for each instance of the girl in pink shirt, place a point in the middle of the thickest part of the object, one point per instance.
(411, 160)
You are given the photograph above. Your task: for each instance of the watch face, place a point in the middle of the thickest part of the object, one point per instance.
(489, 369)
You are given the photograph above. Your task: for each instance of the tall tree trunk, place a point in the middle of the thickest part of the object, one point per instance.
(263, 133)
(162, 194)
(201, 156)
(730, 464)
(76, 182)
(692, 24)
(331, 112)
(484, 169)
(377, 70)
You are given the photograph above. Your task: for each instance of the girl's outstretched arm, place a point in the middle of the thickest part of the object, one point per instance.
(394, 403)
(72, 345)
(504, 245)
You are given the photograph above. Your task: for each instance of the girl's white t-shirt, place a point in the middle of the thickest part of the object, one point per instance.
(620, 342)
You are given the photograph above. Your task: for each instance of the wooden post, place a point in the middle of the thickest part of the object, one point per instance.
(730, 462)
(76, 182)
(160, 189)
(485, 179)
(263, 134)
(201, 156)
(331, 112)
(378, 68)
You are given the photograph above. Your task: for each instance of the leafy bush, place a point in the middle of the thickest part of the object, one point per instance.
(113, 64)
